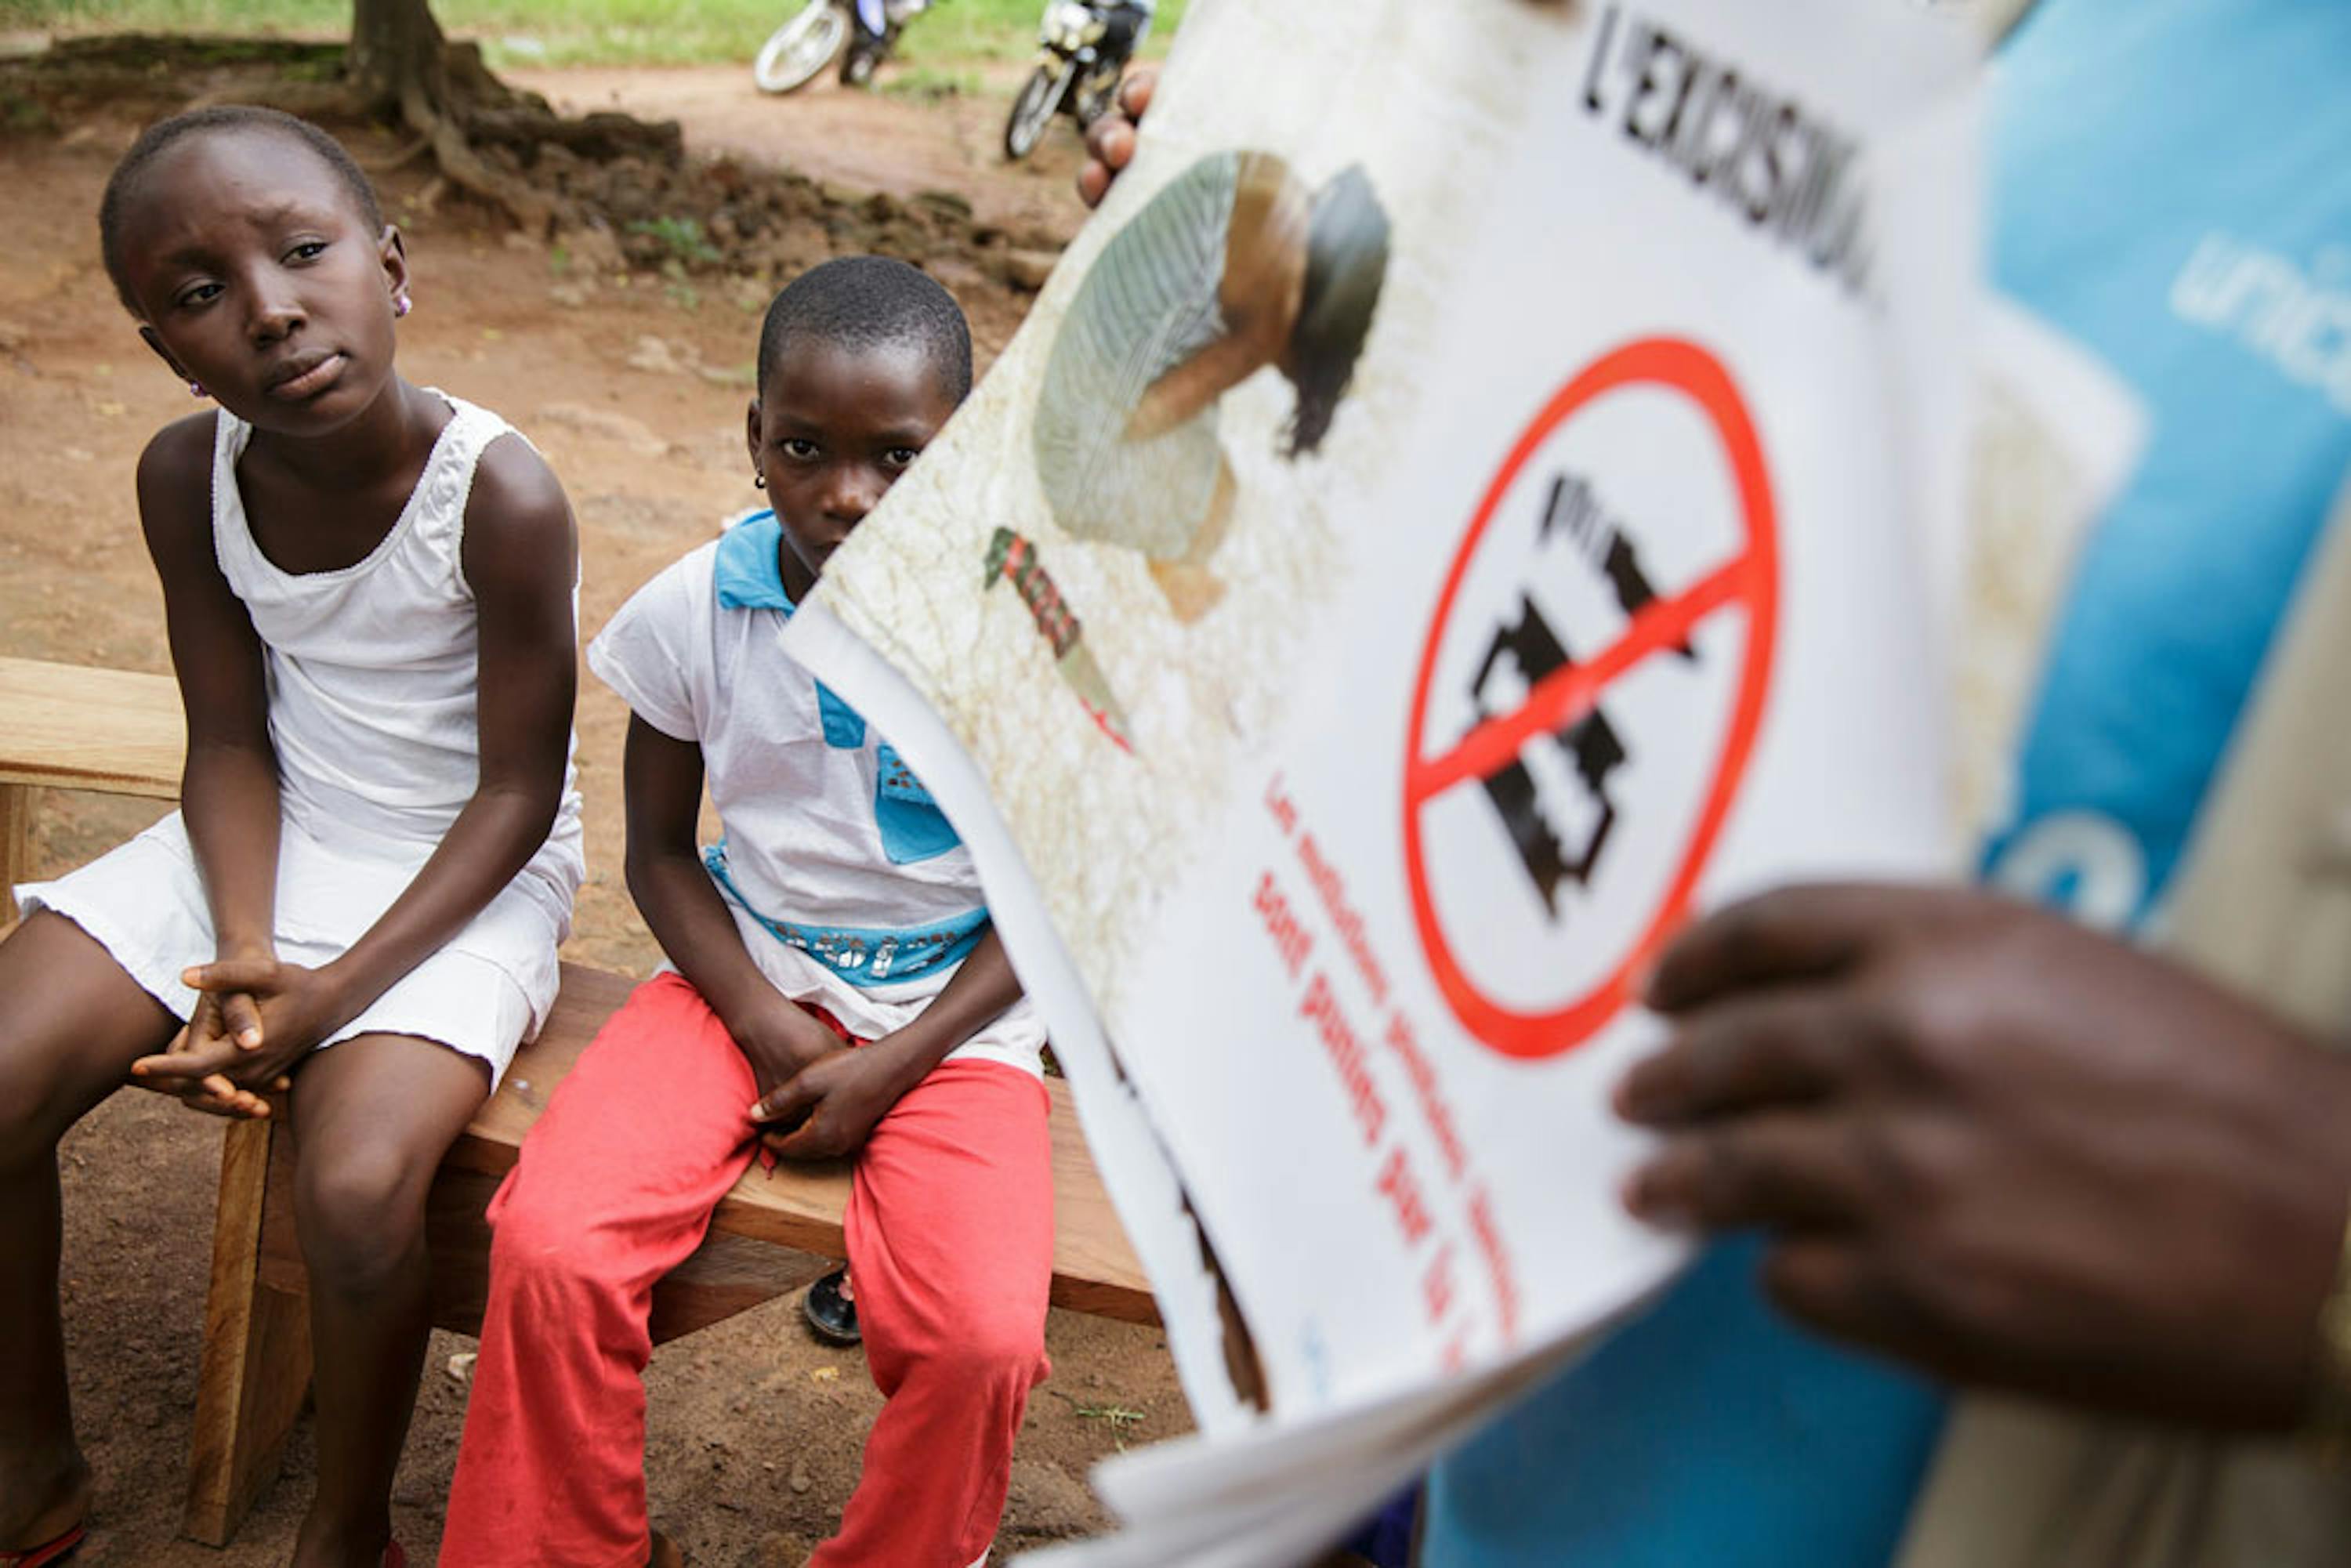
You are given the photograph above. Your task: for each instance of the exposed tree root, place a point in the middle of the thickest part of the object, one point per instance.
(619, 192)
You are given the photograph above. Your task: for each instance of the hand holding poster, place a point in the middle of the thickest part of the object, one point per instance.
(1454, 513)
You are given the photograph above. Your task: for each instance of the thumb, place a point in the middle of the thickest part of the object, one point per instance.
(241, 1019)
(232, 974)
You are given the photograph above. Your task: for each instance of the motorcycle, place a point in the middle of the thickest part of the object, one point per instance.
(867, 29)
(1082, 49)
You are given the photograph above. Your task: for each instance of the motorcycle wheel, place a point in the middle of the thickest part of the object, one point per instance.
(795, 52)
(1033, 111)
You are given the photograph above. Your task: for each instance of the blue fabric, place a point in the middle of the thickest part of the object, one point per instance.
(844, 726)
(912, 826)
(862, 956)
(748, 574)
(2196, 235)
(1709, 1431)
(2171, 189)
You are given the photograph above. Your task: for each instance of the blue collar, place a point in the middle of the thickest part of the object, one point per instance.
(749, 573)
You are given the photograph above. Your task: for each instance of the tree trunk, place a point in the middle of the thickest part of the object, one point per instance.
(401, 65)
(394, 42)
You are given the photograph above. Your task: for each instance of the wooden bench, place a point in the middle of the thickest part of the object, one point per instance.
(71, 728)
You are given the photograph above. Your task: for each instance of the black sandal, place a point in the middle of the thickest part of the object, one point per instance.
(831, 1311)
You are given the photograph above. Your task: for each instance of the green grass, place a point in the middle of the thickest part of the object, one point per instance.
(574, 32)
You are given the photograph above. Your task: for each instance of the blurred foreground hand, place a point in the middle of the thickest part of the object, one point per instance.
(1987, 1141)
(1110, 141)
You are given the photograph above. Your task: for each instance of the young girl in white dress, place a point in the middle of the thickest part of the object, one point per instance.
(369, 589)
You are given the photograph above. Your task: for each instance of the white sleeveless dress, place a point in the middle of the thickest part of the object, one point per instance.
(371, 673)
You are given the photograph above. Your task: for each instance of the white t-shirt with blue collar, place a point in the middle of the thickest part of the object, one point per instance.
(849, 888)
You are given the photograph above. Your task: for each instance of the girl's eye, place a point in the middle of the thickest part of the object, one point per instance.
(200, 294)
(901, 457)
(309, 250)
(799, 449)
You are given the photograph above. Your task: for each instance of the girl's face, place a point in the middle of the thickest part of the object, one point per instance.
(836, 428)
(254, 273)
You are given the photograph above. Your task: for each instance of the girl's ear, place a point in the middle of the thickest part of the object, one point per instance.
(751, 435)
(394, 252)
(148, 336)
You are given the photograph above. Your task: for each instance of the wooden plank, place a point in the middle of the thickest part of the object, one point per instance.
(725, 1275)
(114, 731)
(256, 1347)
(16, 846)
(799, 1206)
(728, 1274)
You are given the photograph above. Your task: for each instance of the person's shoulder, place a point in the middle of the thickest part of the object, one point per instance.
(175, 475)
(179, 453)
(516, 497)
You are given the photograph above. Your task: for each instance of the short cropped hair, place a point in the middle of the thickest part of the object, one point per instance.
(869, 302)
(123, 185)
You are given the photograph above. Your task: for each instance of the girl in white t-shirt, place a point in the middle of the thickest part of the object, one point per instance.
(369, 592)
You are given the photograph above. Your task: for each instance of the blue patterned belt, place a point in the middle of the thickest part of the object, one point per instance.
(862, 956)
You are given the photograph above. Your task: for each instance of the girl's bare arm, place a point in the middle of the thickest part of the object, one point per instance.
(228, 785)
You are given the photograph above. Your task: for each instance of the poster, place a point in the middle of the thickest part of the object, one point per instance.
(1465, 503)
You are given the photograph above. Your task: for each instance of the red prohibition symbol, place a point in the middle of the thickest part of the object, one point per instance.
(1748, 582)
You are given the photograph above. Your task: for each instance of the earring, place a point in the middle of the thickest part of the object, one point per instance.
(195, 389)
(400, 305)
(758, 478)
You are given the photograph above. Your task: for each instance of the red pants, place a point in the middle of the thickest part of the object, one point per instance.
(950, 1230)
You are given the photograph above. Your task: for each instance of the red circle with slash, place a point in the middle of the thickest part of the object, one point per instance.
(1749, 582)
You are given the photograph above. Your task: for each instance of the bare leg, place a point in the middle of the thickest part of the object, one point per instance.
(72, 1023)
(1192, 589)
(372, 1117)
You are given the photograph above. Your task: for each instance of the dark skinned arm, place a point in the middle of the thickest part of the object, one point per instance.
(228, 783)
(2003, 1148)
(661, 784)
(519, 557)
(845, 1093)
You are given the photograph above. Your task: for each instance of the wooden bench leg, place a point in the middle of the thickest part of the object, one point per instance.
(257, 1361)
(16, 846)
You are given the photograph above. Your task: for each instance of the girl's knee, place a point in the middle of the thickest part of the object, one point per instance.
(36, 1106)
(540, 1240)
(996, 1353)
(361, 1214)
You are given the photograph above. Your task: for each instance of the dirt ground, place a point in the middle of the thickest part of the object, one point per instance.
(635, 388)
(874, 141)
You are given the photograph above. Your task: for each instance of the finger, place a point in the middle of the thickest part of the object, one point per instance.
(1836, 1285)
(209, 1100)
(784, 1101)
(241, 1019)
(1111, 140)
(811, 1141)
(1775, 1048)
(1787, 1171)
(1791, 933)
(178, 1047)
(192, 1064)
(1134, 92)
(1093, 182)
(233, 974)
